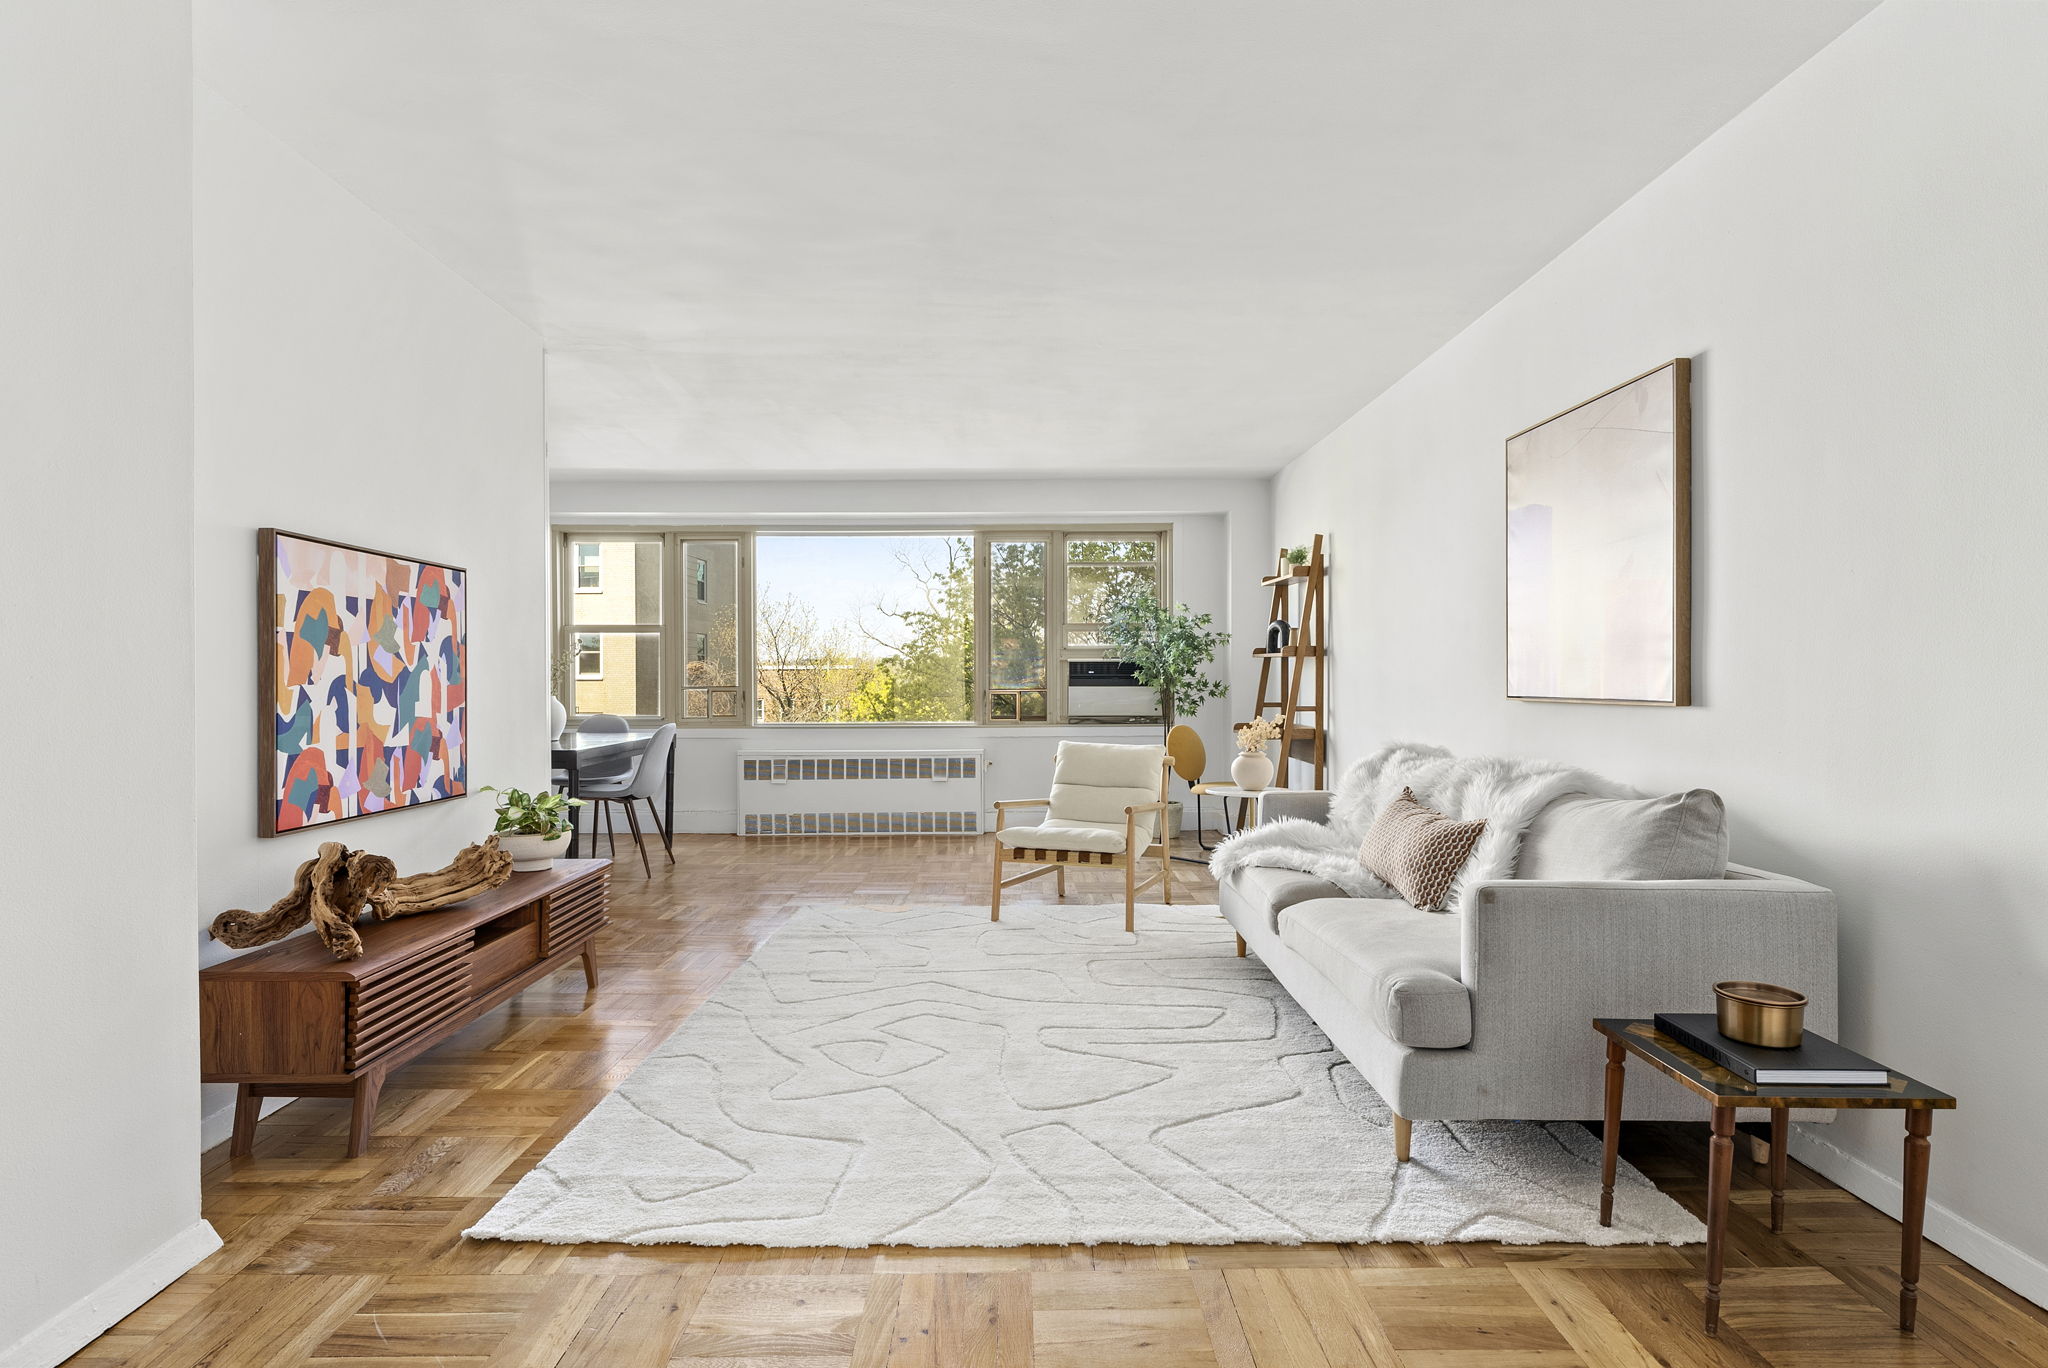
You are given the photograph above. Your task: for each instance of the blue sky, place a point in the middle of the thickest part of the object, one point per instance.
(841, 576)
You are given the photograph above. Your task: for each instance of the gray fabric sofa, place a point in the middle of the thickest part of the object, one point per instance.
(1487, 1014)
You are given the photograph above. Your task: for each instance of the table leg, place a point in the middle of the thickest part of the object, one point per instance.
(362, 1119)
(248, 1107)
(668, 806)
(1720, 1170)
(1610, 1134)
(1913, 1215)
(1781, 1135)
(575, 814)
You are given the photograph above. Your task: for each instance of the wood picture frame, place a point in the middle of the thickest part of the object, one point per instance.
(1599, 547)
(362, 682)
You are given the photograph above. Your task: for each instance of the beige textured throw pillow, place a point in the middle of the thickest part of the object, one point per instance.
(1417, 851)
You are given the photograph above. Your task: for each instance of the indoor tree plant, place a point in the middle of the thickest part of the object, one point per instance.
(1171, 646)
(533, 827)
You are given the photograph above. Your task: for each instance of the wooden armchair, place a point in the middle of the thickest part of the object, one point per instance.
(1107, 811)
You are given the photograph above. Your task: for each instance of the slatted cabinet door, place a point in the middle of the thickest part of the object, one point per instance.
(575, 914)
(416, 996)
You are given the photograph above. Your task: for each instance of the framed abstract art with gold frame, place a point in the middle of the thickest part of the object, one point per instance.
(363, 675)
(1599, 547)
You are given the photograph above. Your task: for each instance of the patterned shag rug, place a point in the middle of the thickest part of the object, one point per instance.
(920, 1076)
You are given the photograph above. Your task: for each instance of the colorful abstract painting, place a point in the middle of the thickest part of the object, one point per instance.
(365, 682)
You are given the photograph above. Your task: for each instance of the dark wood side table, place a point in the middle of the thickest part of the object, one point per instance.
(1725, 1093)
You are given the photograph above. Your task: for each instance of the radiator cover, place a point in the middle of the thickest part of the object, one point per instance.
(861, 793)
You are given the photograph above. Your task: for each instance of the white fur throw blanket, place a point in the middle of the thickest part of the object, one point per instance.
(1508, 793)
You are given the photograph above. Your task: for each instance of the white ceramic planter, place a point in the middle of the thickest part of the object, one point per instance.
(558, 718)
(1252, 771)
(530, 854)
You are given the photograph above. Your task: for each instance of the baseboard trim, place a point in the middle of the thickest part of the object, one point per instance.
(78, 1324)
(1975, 1245)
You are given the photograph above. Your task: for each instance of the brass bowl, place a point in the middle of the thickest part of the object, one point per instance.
(1760, 1013)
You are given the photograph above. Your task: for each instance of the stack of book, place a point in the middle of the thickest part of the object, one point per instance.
(1815, 1061)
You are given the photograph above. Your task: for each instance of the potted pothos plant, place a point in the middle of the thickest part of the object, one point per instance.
(533, 828)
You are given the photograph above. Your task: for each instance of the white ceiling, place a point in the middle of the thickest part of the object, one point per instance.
(891, 237)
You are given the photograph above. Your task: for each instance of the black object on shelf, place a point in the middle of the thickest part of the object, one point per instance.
(1277, 634)
(1815, 1062)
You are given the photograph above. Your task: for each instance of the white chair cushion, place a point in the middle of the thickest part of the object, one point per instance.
(1058, 835)
(1093, 782)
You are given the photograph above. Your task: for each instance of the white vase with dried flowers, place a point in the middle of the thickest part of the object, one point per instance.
(1252, 771)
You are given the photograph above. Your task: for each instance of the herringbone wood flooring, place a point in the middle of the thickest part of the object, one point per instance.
(335, 1262)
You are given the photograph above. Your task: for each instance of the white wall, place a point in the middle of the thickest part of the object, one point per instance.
(1858, 264)
(350, 386)
(99, 1184)
(1221, 546)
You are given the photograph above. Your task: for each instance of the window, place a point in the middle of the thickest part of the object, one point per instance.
(863, 628)
(1017, 680)
(883, 626)
(616, 615)
(589, 568)
(1098, 570)
(711, 623)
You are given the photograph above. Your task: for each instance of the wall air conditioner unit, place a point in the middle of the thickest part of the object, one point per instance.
(861, 793)
(1108, 691)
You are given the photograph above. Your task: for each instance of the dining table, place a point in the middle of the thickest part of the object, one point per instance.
(576, 751)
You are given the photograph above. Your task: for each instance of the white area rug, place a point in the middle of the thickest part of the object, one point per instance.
(920, 1076)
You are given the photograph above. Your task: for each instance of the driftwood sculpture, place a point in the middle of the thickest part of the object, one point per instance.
(332, 889)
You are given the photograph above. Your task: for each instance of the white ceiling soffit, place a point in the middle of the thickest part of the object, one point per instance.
(991, 237)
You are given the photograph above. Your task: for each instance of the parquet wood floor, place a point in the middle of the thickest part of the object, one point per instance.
(335, 1262)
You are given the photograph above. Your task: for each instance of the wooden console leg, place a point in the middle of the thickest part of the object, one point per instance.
(1404, 1131)
(1610, 1131)
(590, 967)
(248, 1106)
(1913, 1215)
(1781, 1132)
(1720, 1170)
(363, 1117)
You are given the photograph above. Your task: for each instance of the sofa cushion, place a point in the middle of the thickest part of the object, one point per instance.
(1271, 891)
(1677, 836)
(1398, 964)
(1416, 850)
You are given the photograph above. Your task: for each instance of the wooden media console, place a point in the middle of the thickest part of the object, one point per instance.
(290, 1020)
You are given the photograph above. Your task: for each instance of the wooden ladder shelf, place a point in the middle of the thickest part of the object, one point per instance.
(1302, 663)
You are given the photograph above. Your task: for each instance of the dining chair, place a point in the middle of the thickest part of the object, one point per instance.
(605, 769)
(1189, 757)
(649, 775)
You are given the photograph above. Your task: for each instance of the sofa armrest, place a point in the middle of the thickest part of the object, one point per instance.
(1543, 958)
(1310, 805)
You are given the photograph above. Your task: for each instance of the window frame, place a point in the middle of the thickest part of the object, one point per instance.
(679, 584)
(596, 586)
(597, 648)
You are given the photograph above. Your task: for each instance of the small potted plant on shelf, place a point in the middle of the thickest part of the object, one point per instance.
(1252, 771)
(533, 827)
